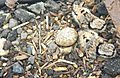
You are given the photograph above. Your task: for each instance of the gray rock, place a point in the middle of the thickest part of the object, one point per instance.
(12, 36)
(17, 68)
(12, 23)
(2, 19)
(23, 15)
(7, 45)
(53, 5)
(37, 8)
(31, 59)
(19, 31)
(112, 66)
(52, 47)
(24, 35)
(5, 33)
(29, 49)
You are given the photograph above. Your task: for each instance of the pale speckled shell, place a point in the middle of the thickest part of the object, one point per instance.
(66, 37)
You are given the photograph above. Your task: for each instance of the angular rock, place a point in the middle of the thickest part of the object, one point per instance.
(66, 37)
(12, 36)
(2, 19)
(23, 15)
(37, 8)
(5, 33)
(17, 68)
(7, 45)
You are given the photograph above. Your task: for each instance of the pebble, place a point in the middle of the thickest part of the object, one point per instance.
(53, 5)
(31, 59)
(97, 23)
(19, 30)
(107, 50)
(66, 37)
(24, 35)
(3, 52)
(37, 8)
(17, 68)
(12, 23)
(23, 15)
(101, 9)
(12, 36)
(7, 45)
(52, 47)
(4, 33)
(2, 19)
(29, 49)
(112, 66)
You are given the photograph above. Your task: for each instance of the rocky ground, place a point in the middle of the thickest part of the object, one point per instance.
(58, 39)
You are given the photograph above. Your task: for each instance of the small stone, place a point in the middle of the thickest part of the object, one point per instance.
(23, 15)
(53, 5)
(31, 59)
(101, 9)
(5, 33)
(3, 52)
(2, 19)
(37, 8)
(7, 45)
(12, 36)
(66, 37)
(106, 50)
(12, 23)
(29, 49)
(17, 68)
(97, 23)
(52, 47)
(24, 35)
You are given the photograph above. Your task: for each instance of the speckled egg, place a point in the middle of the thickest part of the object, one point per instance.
(66, 37)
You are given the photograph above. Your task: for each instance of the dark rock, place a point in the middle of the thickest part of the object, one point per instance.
(53, 5)
(12, 36)
(7, 45)
(104, 75)
(17, 68)
(37, 8)
(23, 15)
(101, 9)
(2, 19)
(4, 33)
(112, 66)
